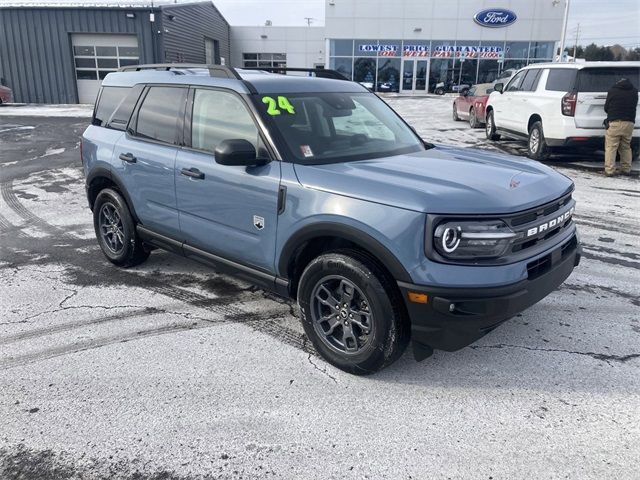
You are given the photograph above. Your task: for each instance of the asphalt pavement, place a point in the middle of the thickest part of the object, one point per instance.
(171, 371)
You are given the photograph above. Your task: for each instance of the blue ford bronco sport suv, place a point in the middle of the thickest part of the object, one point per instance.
(316, 189)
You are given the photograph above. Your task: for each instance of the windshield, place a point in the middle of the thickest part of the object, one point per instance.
(338, 127)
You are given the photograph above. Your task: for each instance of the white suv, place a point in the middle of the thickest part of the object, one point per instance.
(556, 105)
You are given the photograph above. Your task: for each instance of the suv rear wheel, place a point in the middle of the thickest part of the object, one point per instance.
(490, 127)
(352, 313)
(115, 230)
(538, 149)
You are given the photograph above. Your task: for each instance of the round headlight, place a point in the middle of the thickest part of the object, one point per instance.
(451, 238)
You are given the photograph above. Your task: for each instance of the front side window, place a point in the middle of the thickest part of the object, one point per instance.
(160, 112)
(219, 116)
(515, 85)
(335, 127)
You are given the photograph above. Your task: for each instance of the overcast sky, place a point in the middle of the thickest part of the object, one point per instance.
(604, 22)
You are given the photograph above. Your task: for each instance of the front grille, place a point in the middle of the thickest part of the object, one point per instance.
(541, 211)
(543, 215)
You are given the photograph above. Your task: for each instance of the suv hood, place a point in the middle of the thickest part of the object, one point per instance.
(442, 180)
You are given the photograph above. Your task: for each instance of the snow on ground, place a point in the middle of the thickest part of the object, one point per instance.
(169, 370)
(33, 110)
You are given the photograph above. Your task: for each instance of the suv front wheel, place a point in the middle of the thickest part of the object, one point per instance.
(538, 149)
(352, 313)
(116, 231)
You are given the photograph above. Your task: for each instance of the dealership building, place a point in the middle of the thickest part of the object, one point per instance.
(56, 54)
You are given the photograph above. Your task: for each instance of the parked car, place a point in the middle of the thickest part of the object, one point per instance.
(390, 86)
(470, 105)
(443, 87)
(558, 105)
(6, 95)
(314, 188)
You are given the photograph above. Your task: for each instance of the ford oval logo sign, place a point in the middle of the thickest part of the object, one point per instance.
(495, 17)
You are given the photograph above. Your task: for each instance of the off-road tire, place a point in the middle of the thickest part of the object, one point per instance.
(537, 148)
(390, 331)
(132, 251)
(490, 127)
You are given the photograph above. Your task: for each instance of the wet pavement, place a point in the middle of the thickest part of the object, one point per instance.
(170, 371)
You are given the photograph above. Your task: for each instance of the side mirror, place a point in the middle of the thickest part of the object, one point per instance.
(237, 151)
(498, 87)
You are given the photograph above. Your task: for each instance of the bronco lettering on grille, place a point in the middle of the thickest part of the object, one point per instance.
(551, 223)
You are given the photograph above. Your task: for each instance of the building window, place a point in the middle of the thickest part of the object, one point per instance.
(341, 48)
(517, 50)
(542, 50)
(93, 62)
(262, 60)
(342, 65)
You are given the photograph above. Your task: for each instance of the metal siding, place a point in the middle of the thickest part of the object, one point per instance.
(183, 37)
(35, 47)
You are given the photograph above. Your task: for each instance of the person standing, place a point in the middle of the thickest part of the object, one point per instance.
(620, 107)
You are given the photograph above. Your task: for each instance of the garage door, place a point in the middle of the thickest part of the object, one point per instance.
(95, 56)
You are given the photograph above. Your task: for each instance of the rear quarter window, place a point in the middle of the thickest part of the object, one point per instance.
(602, 79)
(109, 100)
(561, 79)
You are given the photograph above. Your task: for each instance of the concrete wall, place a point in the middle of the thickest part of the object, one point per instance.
(304, 46)
(537, 20)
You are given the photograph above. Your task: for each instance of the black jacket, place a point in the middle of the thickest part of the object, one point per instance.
(621, 102)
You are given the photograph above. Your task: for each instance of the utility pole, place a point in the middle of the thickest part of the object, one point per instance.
(309, 20)
(575, 45)
(564, 29)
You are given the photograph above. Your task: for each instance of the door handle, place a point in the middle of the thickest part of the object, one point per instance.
(128, 157)
(192, 173)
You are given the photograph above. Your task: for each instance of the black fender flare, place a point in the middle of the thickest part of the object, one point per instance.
(352, 234)
(108, 174)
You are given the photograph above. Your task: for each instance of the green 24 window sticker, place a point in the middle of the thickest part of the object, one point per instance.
(274, 108)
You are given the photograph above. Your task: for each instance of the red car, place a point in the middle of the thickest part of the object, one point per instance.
(5, 94)
(471, 104)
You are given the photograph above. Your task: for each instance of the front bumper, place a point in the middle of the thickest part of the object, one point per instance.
(453, 318)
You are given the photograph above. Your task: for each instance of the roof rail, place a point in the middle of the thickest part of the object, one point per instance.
(221, 71)
(319, 71)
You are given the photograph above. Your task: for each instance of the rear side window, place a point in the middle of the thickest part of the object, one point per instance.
(561, 79)
(602, 79)
(109, 101)
(160, 113)
(530, 82)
